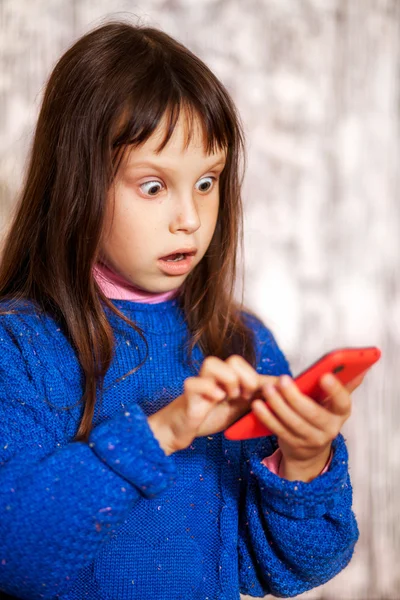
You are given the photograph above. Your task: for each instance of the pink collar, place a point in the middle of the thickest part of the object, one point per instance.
(114, 286)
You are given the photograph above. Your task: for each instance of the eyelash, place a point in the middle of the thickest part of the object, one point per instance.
(159, 182)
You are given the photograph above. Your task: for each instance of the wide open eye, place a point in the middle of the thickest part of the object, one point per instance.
(204, 183)
(151, 189)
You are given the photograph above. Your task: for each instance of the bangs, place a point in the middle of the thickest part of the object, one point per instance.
(141, 120)
(169, 81)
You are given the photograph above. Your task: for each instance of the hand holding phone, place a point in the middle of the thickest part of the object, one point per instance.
(345, 363)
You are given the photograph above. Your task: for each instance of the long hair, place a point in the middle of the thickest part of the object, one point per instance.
(108, 93)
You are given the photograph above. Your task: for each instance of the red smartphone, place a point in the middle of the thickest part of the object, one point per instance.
(345, 363)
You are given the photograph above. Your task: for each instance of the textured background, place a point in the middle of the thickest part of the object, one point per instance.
(317, 86)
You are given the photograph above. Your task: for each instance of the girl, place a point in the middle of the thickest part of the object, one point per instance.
(124, 355)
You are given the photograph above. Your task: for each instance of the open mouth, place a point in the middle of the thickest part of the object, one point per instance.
(177, 257)
(176, 264)
(174, 257)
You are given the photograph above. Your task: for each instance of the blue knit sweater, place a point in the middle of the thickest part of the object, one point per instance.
(117, 519)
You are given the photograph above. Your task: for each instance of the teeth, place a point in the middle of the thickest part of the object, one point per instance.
(178, 257)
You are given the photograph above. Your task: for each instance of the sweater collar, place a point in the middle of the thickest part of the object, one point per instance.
(116, 287)
(154, 313)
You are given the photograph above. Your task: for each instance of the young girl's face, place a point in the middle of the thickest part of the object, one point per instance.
(163, 203)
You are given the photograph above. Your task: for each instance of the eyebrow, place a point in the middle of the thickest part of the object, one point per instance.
(151, 164)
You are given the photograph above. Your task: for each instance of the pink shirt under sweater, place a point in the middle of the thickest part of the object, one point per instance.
(116, 287)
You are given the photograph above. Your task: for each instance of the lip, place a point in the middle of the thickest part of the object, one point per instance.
(191, 251)
(176, 268)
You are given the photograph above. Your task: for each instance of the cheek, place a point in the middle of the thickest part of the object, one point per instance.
(117, 224)
(131, 228)
(209, 215)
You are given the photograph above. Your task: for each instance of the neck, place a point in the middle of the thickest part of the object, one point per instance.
(114, 286)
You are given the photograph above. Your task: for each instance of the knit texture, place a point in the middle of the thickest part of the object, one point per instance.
(117, 519)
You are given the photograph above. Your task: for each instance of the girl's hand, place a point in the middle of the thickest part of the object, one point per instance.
(305, 428)
(211, 402)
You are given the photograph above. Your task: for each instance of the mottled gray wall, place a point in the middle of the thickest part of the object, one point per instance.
(317, 85)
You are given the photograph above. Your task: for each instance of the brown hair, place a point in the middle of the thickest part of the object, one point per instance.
(108, 92)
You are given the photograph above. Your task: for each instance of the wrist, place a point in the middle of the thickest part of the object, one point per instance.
(162, 433)
(304, 469)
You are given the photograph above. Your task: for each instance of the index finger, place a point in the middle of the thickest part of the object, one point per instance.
(250, 380)
(265, 379)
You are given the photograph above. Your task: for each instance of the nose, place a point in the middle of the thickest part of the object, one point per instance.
(185, 214)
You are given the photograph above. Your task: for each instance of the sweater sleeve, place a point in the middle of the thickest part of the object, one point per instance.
(61, 500)
(293, 535)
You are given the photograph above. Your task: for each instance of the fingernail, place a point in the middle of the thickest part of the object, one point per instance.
(270, 389)
(329, 380)
(285, 380)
